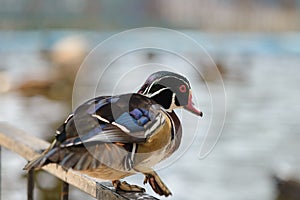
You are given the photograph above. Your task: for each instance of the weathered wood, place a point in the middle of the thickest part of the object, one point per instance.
(29, 147)
(64, 191)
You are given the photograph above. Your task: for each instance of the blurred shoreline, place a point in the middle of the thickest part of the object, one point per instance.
(244, 42)
(214, 15)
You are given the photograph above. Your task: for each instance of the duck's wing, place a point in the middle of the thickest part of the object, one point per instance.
(125, 120)
(130, 118)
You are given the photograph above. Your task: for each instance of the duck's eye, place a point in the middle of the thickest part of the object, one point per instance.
(182, 89)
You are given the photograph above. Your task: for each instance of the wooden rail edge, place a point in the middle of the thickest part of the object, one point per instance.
(29, 146)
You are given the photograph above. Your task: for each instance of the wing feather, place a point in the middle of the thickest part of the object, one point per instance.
(128, 127)
(124, 120)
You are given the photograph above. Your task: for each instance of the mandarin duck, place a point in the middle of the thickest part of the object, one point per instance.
(112, 137)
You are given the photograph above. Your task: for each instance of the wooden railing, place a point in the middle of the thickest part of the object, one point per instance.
(29, 147)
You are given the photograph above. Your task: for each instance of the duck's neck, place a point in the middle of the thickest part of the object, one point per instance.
(165, 97)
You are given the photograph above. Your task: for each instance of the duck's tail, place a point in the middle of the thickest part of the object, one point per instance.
(41, 160)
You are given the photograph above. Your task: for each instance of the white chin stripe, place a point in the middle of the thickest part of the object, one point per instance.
(173, 105)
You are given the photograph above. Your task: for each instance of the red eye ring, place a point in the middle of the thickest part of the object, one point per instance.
(182, 88)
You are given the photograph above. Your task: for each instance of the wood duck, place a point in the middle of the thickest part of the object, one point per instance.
(112, 137)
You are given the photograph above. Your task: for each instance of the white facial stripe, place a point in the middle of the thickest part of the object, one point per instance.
(157, 92)
(145, 91)
(150, 86)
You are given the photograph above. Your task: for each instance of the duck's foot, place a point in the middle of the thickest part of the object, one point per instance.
(124, 186)
(157, 184)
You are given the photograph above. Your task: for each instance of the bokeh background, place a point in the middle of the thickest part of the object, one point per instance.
(254, 43)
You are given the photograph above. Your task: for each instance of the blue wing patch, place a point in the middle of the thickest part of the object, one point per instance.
(130, 123)
(135, 120)
(136, 113)
(141, 116)
(141, 122)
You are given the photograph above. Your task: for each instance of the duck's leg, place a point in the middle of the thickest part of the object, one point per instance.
(155, 182)
(124, 186)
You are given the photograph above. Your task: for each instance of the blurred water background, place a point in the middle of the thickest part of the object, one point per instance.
(255, 44)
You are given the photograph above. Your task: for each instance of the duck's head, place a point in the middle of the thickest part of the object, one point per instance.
(170, 90)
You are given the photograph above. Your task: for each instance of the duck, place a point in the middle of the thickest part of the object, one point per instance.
(113, 137)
